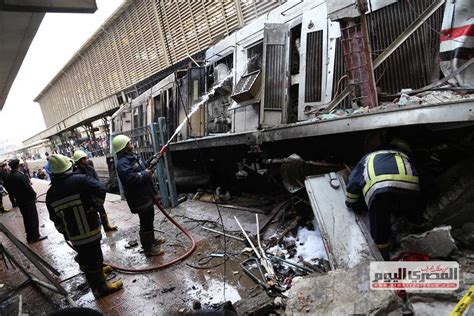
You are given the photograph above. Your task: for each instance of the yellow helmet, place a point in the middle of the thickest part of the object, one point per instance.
(401, 144)
(78, 155)
(59, 163)
(119, 143)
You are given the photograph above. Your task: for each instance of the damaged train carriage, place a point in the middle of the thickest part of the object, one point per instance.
(269, 89)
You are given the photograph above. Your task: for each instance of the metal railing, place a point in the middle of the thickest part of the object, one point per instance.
(148, 141)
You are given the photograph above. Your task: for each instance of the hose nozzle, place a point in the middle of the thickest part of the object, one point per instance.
(163, 150)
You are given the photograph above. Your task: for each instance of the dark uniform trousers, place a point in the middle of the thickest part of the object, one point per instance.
(147, 217)
(30, 219)
(90, 255)
(101, 210)
(399, 204)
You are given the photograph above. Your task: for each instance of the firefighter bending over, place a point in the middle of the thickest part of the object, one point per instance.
(140, 192)
(73, 201)
(389, 185)
(85, 166)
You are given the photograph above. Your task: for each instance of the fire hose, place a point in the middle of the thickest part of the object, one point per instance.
(167, 264)
(153, 163)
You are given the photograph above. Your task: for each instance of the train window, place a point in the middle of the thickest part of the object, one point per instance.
(145, 116)
(254, 57)
(170, 101)
(140, 114)
(135, 117)
(156, 108)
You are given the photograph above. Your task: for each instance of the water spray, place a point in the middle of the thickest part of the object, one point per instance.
(157, 157)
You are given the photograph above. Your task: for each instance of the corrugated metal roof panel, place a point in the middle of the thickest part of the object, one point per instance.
(140, 39)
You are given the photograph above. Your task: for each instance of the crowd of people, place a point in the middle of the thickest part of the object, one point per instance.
(92, 147)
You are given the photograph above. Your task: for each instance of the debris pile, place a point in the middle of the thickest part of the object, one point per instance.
(405, 99)
(306, 249)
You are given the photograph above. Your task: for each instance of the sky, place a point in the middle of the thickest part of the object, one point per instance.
(59, 36)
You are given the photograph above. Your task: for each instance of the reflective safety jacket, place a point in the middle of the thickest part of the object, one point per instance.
(73, 200)
(138, 186)
(377, 172)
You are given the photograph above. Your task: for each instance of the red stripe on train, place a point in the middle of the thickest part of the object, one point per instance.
(466, 30)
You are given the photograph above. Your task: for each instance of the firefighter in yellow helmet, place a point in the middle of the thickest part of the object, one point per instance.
(73, 201)
(139, 191)
(85, 166)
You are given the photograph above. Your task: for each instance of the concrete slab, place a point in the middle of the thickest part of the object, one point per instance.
(340, 292)
(437, 242)
(345, 237)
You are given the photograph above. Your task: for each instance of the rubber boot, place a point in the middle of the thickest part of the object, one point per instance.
(4, 209)
(99, 284)
(147, 239)
(105, 223)
(158, 241)
(107, 269)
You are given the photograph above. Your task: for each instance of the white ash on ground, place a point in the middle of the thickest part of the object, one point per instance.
(307, 246)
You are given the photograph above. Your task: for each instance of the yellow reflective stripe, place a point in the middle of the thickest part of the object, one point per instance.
(382, 246)
(370, 165)
(352, 196)
(67, 205)
(400, 164)
(61, 215)
(80, 226)
(86, 235)
(392, 177)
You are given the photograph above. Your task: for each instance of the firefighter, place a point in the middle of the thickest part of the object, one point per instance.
(386, 183)
(18, 184)
(139, 191)
(3, 177)
(73, 201)
(85, 166)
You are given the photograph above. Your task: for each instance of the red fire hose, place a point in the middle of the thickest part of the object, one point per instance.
(161, 266)
(164, 265)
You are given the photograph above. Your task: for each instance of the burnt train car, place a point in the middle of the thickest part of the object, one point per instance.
(260, 90)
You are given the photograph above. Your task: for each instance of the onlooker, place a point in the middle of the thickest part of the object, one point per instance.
(19, 185)
(3, 176)
(46, 166)
(25, 168)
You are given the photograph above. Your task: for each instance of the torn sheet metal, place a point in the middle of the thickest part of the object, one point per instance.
(339, 9)
(344, 234)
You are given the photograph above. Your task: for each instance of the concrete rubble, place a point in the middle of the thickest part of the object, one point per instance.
(442, 302)
(465, 235)
(340, 292)
(423, 98)
(438, 242)
(455, 204)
